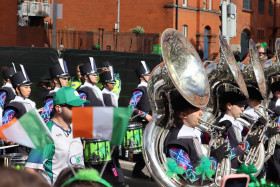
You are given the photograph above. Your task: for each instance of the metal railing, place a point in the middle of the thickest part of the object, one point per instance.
(35, 8)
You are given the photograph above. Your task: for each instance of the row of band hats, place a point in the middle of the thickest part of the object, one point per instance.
(18, 78)
(60, 70)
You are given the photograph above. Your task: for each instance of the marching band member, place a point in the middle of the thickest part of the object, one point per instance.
(108, 81)
(183, 143)
(7, 92)
(232, 103)
(273, 163)
(111, 100)
(89, 90)
(140, 103)
(59, 75)
(117, 85)
(21, 104)
(65, 150)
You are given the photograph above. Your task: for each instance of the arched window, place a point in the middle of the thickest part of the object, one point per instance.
(207, 31)
(245, 37)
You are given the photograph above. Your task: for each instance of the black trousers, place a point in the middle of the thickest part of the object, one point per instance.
(140, 163)
(273, 166)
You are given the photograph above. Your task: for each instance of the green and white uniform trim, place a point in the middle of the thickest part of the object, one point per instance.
(55, 157)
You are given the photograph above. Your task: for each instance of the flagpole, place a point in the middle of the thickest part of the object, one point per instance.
(105, 164)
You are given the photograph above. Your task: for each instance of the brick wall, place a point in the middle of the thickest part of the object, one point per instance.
(27, 36)
(8, 22)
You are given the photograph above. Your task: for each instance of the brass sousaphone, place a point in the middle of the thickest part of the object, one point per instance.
(182, 70)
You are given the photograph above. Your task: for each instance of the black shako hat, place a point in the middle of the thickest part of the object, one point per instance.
(20, 78)
(178, 102)
(275, 86)
(231, 94)
(254, 93)
(59, 70)
(89, 68)
(9, 72)
(106, 64)
(142, 70)
(108, 76)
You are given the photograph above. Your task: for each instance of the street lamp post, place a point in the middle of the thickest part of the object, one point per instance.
(54, 24)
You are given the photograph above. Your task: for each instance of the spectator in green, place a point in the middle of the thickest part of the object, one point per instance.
(76, 81)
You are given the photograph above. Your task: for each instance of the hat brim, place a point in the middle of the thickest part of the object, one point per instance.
(78, 102)
(242, 102)
(64, 76)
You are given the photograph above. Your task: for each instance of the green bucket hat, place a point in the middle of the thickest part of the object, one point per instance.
(68, 96)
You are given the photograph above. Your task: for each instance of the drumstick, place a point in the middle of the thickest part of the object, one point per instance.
(135, 116)
(8, 146)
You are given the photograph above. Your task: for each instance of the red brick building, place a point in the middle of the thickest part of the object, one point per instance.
(197, 19)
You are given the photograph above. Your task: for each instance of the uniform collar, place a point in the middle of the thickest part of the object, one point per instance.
(232, 120)
(251, 112)
(189, 132)
(143, 84)
(9, 85)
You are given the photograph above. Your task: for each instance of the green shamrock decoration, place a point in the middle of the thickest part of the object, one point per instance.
(204, 168)
(172, 168)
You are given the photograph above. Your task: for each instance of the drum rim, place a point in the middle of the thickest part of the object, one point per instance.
(94, 140)
(14, 155)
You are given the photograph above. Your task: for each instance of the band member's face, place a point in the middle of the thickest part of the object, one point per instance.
(235, 110)
(25, 91)
(261, 52)
(146, 77)
(93, 79)
(110, 86)
(63, 81)
(254, 103)
(191, 117)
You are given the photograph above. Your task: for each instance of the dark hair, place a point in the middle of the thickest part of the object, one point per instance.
(12, 177)
(179, 104)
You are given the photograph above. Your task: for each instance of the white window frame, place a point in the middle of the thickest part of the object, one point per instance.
(185, 2)
(185, 31)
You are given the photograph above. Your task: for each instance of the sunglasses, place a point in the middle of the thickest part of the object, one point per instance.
(68, 106)
(261, 53)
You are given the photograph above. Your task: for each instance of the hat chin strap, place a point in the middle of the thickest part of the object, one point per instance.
(90, 80)
(144, 79)
(21, 93)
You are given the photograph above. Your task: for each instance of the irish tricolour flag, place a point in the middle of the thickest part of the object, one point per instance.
(105, 123)
(29, 130)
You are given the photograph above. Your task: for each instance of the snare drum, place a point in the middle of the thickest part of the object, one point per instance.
(133, 138)
(15, 160)
(96, 151)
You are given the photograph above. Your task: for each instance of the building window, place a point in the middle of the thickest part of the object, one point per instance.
(270, 8)
(260, 34)
(185, 2)
(247, 4)
(185, 31)
(261, 6)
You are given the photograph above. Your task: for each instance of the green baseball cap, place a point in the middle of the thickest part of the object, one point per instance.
(68, 96)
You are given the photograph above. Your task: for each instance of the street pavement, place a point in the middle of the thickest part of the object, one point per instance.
(133, 182)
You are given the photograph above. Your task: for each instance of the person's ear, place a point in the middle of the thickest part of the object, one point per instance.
(229, 106)
(58, 108)
(183, 115)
